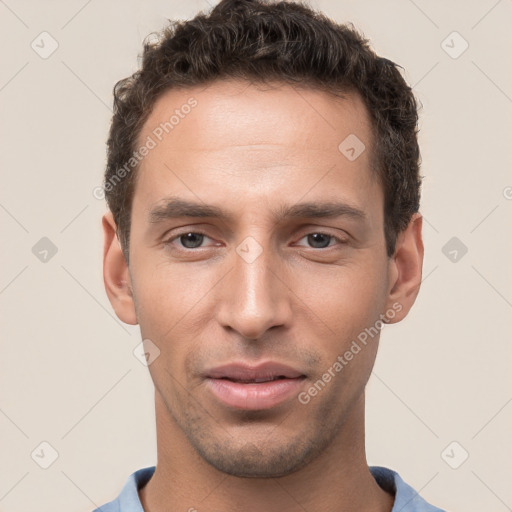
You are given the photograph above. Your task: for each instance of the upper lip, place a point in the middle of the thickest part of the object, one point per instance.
(246, 372)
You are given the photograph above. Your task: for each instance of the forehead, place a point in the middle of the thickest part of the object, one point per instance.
(255, 139)
(237, 112)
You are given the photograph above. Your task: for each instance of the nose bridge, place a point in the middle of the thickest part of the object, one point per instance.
(254, 299)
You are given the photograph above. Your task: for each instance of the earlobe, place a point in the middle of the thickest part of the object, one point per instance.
(405, 269)
(116, 275)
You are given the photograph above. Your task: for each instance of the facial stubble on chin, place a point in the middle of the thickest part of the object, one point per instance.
(292, 448)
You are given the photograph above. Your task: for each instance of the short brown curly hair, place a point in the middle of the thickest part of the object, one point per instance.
(283, 42)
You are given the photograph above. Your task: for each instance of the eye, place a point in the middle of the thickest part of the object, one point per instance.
(188, 240)
(319, 240)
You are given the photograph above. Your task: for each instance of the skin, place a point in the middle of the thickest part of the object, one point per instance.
(250, 149)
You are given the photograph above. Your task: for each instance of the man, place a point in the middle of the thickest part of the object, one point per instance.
(263, 188)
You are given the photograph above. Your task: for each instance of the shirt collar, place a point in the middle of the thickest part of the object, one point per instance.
(406, 498)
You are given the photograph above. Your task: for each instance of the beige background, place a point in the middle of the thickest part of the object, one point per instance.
(67, 372)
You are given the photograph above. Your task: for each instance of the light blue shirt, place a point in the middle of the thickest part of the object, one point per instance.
(406, 498)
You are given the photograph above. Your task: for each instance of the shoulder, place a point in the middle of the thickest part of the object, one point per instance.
(406, 498)
(128, 499)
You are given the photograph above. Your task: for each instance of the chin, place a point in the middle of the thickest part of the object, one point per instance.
(253, 459)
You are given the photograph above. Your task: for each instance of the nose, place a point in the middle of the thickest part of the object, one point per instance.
(253, 299)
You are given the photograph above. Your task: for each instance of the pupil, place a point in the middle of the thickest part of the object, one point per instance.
(316, 240)
(191, 240)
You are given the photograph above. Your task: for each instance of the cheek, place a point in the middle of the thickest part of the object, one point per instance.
(174, 312)
(346, 299)
(348, 304)
(167, 295)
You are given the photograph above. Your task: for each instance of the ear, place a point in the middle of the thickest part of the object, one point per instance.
(405, 268)
(116, 275)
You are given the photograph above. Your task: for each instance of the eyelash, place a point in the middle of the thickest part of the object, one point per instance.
(169, 241)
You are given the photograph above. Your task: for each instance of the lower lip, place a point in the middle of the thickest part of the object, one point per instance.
(253, 397)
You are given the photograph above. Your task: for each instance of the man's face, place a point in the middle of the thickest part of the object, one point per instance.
(258, 286)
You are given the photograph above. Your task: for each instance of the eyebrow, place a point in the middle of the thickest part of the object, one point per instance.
(173, 207)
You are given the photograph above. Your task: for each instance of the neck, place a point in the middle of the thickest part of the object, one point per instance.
(338, 480)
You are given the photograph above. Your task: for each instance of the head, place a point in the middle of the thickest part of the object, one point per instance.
(297, 146)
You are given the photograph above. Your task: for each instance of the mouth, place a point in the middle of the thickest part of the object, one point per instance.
(255, 380)
(241, 386)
